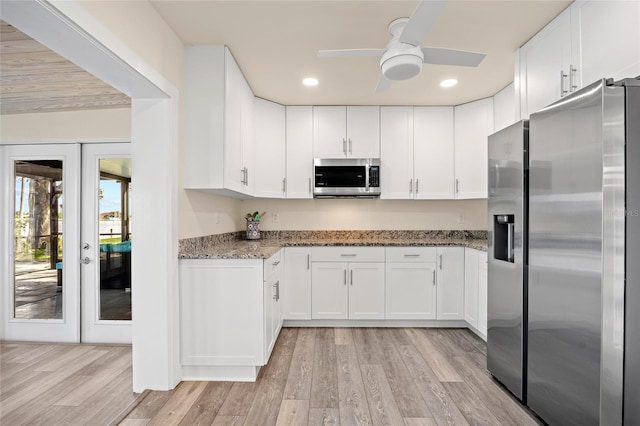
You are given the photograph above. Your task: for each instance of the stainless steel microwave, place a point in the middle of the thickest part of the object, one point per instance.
(346, 177)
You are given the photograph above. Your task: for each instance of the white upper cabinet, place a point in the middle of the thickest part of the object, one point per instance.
(269, 150)
(346, 132)
(416, 151)
(433, 149)
(396, 152)
(299, 151)
(590, 40)
(544, 65)
(605, 40)
(473, 125)
(504, 108)
(218, 123)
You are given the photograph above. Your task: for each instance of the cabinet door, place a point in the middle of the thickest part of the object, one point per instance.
(544, 63)
(471, 287)
(366, 290)
(450, 277)
(269, 150)
(247, 133)
(482, 294)
(329, 132)
(410, 291)
(433, 148)
(296, 293)
(473, 125)
(329, 296)
(396, 152)
(363, 132)
(299, 152)
(606, 40)
(233, 167)
(269, 317)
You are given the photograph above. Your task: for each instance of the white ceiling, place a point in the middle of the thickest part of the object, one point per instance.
(276, 43)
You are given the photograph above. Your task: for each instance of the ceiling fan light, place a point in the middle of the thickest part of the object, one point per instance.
(402, 67)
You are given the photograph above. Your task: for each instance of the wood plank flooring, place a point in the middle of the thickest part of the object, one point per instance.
(350, 376)
(54, 384)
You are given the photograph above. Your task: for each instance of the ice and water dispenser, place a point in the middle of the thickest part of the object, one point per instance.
(503, 237)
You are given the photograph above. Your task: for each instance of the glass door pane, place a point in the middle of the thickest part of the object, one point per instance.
(114, 236)
(38, 237)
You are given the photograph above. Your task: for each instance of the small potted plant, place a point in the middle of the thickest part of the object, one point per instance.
(253, 225)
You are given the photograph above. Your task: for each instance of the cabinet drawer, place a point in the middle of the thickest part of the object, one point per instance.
(411, 254)
(272, 264)
(347, 254)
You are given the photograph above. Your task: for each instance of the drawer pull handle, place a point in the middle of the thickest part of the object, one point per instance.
(411, 255)
(348, 255)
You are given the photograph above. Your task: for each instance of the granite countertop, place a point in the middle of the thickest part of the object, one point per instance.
(230, 247)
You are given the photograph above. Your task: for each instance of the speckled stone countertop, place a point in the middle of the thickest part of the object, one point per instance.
(232, 246)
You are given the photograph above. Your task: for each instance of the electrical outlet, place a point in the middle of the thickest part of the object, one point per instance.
(461, 218)
(275, 218)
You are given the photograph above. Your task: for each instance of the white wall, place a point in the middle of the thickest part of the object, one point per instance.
(364, 214)
(109, 125)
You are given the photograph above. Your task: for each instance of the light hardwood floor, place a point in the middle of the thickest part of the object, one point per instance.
(350, 376)
(55, 384)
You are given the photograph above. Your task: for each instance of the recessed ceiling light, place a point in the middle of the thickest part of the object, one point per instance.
(310, 81)
(449, 82)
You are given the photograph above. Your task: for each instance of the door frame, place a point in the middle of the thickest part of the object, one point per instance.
(72, 31)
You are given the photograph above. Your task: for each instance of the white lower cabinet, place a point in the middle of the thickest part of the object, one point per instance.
(411, 283)
(229, 316)
(450, 279)
(351, 289)
(475, 290)
(296, 292)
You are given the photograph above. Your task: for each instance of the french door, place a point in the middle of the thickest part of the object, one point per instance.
(66, 242)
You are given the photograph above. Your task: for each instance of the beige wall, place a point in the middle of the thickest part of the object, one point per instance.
(332, 214)
(101, 125)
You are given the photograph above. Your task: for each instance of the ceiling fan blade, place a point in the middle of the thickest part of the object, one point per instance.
(383, 84)
(422, 18)
(443, 56)
(338, 53)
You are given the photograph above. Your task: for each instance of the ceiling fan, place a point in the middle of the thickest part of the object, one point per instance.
(403, 57)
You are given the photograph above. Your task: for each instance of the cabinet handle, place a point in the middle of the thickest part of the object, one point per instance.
(457, 185)
(411, 255)
(246, 175)
(275, 296)
(350, 146)
(276, 263)
(345, 277)
(434, 277)
(572, 73)
(351, 277)
(417, 186)
(242, 176)
(308, 261)
(348, 255)
(562, 77)
(284, 185)
(440, 262)
(411, 186)
(344, 146)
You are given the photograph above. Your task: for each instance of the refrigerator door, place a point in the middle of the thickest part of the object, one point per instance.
(572, 267)
(506, 256)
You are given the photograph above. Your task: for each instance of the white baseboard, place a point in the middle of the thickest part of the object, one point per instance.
(220, 374)
(376, 323)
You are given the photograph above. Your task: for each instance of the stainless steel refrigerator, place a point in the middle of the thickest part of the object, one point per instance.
(584, 257)
(507, 257)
